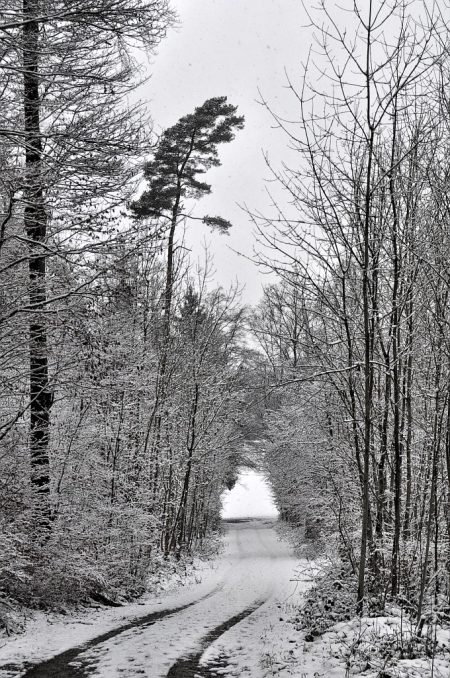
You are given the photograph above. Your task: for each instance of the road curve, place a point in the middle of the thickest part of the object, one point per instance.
(169, 643)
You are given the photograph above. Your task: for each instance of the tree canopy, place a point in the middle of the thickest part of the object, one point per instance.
(183, 154)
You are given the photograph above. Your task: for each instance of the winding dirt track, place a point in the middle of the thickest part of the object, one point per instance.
(169, 643)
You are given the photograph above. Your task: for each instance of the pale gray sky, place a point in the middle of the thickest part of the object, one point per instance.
(232, 48)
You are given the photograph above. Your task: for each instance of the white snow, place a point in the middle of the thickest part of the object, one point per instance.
(354, 648)
(263, 644)
(255, 566)
(267, 644)
(48, 635)
(250, 497)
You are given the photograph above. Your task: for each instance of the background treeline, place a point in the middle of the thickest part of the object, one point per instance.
(121, 369)
(356, 332)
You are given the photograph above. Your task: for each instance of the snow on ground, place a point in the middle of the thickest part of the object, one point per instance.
(253, 563)
(244, 574)
(50, 634)
(267, 644)
(254, 567)
(264, 644)
(355, 648)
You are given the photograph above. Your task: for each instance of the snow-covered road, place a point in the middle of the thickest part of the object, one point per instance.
(255, 572)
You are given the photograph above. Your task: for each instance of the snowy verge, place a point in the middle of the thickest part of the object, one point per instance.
(367, 647)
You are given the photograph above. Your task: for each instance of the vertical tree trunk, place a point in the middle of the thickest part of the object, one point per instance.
(383, 433)
(447, 489)
(436, 442)
(395, 334)
(180, 520)
(35, 219)
(368, 367)
(368, 379)
(351, 381)
(409, 421)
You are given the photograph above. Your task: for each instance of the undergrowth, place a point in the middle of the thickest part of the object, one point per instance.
(376, 642)
(58, 579)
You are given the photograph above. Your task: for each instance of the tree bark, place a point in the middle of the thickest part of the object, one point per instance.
(395, 334)
(35, 220)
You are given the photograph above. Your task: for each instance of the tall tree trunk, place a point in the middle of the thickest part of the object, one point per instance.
(436, 442)
(409, 418)
(447, 489)
(156, 419)
(180, 520)
(35, 219)
(395, 333)
(368, 379)
(382, 463)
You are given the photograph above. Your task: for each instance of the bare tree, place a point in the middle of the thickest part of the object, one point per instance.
(69, 68)
(355, 141)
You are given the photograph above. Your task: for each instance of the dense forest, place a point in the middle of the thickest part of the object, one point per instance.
(121, 366)
(356, 331)
(133, 389)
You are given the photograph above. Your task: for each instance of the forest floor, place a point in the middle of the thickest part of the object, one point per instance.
(237, 616)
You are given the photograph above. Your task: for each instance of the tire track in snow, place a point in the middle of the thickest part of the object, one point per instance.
(171, 642)
(190, 667)
(64, 665)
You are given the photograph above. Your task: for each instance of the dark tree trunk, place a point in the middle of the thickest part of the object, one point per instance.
(368, 386)
(35, 219)
(409, 420)
(178, 536)
(395, 334)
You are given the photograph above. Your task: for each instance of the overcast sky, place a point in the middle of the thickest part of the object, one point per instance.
(232, 48)
(251, 497)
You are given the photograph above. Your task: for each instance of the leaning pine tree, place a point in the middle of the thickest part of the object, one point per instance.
(185, 152)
